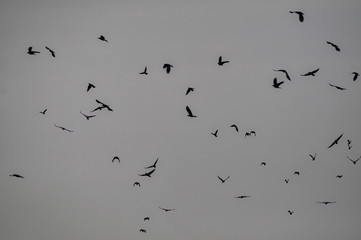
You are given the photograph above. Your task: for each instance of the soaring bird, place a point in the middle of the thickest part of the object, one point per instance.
(136, 184)
(312, 73)
(354, 161)
(223, 180)
(296, 173)
(335, 141)
(43, 112)
(116, 158)
(277, 84)
(284, 71)
(190, 114)
(148, 174)
(146, 219)
(355, 75)
(167, 209)
(339, 176)
(51, 51)
(215, 133)
(300, 15)
(90, 86)
(145, 71)
(142, 230)
(31, 52)
(63, 128)
(87, 116)
(235, 127)
(326, 202)
(290, 212)
(103, 105)
(154, 165)
(167, 67)
(242, 196)
(102, 38)
(190, 89)
(349, 143)
(339, 88)
(220, 62)
(16, 175)
(334, 45)
(313, 157)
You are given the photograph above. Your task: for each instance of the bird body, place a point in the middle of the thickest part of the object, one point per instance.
(290, 212)
(263, 163)
(136, 184)
(167, 209)
(87, 116)
(103, 106)
(242, 196)
(142, 230)
(287, 180)
(90, 86)
(296, 173)
(339, 176)
(353, 161)
(326, 202)
(235, 127)
(146, 219)
(313, 157)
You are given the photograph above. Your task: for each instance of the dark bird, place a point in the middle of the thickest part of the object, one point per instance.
(90, 86)
(349, 144)
(167, 209)
(43, 112)
(87, 116)
(296, 173)
(335, 141)
(277, 84)
(136, 184)
(300, 15)
(145, 71)
(252, 132)
(31, 52)
(220, 62)
(242, 196)
(116, 158)
(339, 88)
(102, 38)
(167, 67)
(215, 133)
(287, 180)
(63, 128)
(354, 161)
(235, 127)
(103, 105)
(51, 51)
(263, 163)
(290, 212)
(154, 164)
(312, 73)
(284, 71)
(142, 230)
(16, 175)
(223, 180)
(326, 202)
(146, 219)
(339, 176)
(334, 45)
(148, 174)
(190, 114)
(355, 75)
(313, 157)
(189, 90)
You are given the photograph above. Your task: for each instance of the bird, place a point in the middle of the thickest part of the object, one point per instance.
(136, 184)
(51, 51)
(313, 157)
(287, 180)
(339, 176)
(148, 174)
(296, 173)
(31, 52)
(277, 84)
(290, 212)
(145, 71)
(142, 230)
(215, 133)
(242, 196)
(220, 62)
(334, 45)
(355, 75)
(223, 180)
(116, 158)
(102, 38)
(63, 128)
(339, 88)
(103, 105)
(90, 86)
(247, 134)
(312, 73)
(146, 219)
(263, 163)
(16, 175)
(284, 71)
(43, 112)
(300, 15)
(154, 165)
(167, 67)
(354, 161)
(252, 132)
(235, 127)
(190, 89)
(190, 114)
(167, 209)
(326, 202)
(349, 143)
(335, 141)
(87, 116)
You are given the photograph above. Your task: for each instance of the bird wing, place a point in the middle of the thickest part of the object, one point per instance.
(220, 178)
(300, 16)
(220, 59)
(189, 111)
(315, 71)
(99, 102)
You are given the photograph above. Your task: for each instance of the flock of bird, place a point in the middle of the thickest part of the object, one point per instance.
(168, 67)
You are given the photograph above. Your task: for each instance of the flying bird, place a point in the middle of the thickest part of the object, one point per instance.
(339, 88)
(16, 175)
(334, 45)
(247, 134)
(335, 141)
(355, 75)
(145, 71)
(284, 71)
(339, 176)
(263, 163)
(190, 89)
(287, 180)
(167, 67)
(326, 202)
(51, 51)
(296, 173)
(90, 86)
(43, 112)
(235, 127)
(242, 196)
(349, 143)
(31, 52)
(220, 62)
(215, 133)
(116, 158)
(313, 157)
(300, 15)
(102, 38)
(312, 73)
(277, 84)
(148, 174)
(63, 128)
(87, 116)
(190, 114)
(290, 212)
(146, 219)
(354, 161)
(136, 184)
(103, 105)
(154, 165)
(142, 230)
(223, 180)
(167, 209)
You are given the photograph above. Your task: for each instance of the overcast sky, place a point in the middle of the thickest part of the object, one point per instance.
(73, 191)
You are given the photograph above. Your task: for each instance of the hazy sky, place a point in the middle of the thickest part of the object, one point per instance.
(73, 191)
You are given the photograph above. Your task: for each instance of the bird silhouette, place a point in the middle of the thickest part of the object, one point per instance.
(142, 230)
(242, 196)
(277, 84)
(354, 161)
(334, 45)
(102, 38)
(16, 175)
(167, 67)
(223, 180)
(51, 51)
(252, 132)
(116, 158)
(215, 133)
(148, 174)
(146, 219)
(284, 71)
(339, 88)
(136, 184)
(287, 180)
(235, 127)
(312, 73)
(190, 114)
(154, 165)
(87, 116)
(247, 134)
(220, 62)
(326, 202)
(263, 163)
(103, 106)
(300, 15)
(313, 157)
(31, 52)
(63, 128)
(290, 212)
(190, 89)
(349, 143)
(339, 176)
(43, 112)
(296, 173)
(90, 86)
(145, 71)
(335, 141)
(355, 75)
(167, 209)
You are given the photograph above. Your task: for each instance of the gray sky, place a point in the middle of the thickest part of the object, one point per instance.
(72, 190)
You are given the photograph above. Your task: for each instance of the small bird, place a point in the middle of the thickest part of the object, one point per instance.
(354, 161)
(215, 133)
(290, 212)
(326, 202)
(277, 84)
(63, 128)
(102, 38)
(334, 45)
(16, 175)
(190, 89)
(146, 219)
(167, 209)
(220, 62)
(339, 176)
(313, 157)
(284, 71)
(339, 88)
(223, 180)
(51, 51)
(296, 173)
(116, 158)
(145, 71)
(263, 163)
(142, 230)
(154, 165)
(235, 127)
(312, 73)
(136, 184)
(355, 75)
(148, 174)
(103, 105)
(349, 143)
(300, 15)
(31, 52)
(242, 196)
(43, 112)
(335, 141)
(252, 132)
(87, 116)
(287, 180)
(167, 67)
(90, 86)
(190, 114)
